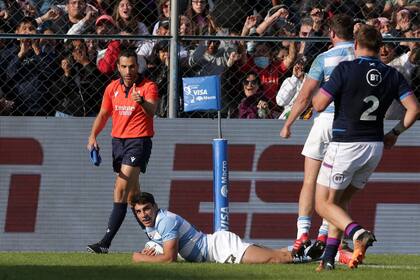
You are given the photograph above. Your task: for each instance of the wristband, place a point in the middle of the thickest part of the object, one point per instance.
(141, 100)
(395, 132)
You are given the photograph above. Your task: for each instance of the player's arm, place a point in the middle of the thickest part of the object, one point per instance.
(329, 90)
(170, 253)
(321, 100)
(412, 113)
(302, 102)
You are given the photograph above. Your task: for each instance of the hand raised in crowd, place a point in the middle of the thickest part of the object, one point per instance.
(25, 47)
(135, 95)
(4, 14)
(52, 14)
(280, 13)
(251, 21)
(35, 46)
(91, 13)
(233, 57)
(262, 104)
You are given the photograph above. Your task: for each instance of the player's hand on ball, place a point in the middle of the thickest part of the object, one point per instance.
(149, 251)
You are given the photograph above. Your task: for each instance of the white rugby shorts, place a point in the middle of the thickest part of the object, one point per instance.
(225, 247)
(319, 137)
(349, 163)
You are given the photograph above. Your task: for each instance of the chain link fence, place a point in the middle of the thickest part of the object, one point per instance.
(57, 56)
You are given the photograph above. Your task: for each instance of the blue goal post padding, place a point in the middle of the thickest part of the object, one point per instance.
(201, 93)
(220, 185)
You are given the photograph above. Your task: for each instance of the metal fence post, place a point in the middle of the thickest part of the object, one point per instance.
(173, 62)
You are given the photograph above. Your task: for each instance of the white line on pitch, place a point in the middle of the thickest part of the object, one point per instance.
(380, 266)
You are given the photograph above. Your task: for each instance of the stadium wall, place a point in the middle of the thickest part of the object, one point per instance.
(53, 199)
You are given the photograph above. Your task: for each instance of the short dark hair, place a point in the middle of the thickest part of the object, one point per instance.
(127, 52)
(30, 20)
(369, 37)
(257, 78)
(143, 198)
(342, 25)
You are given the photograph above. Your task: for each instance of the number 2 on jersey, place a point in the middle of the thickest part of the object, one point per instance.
(366, 116)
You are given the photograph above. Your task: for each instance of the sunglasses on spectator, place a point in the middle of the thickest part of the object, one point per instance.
(250, 82)
(316, 13)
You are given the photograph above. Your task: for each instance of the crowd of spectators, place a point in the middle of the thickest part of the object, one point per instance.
(48, 77)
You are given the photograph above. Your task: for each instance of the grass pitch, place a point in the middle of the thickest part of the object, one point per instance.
(45, 266)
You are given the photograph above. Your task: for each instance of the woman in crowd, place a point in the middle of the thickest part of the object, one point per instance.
(254, 105)
(126, 20)
(203, 23)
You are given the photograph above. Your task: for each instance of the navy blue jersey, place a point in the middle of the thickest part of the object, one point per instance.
(362, 91)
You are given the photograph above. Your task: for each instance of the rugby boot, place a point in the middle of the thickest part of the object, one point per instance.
(361, 244)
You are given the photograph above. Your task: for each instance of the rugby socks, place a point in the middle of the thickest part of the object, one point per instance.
(323, 231)
(115, 220)
(331, 250)
(303, 226)
(353, 230)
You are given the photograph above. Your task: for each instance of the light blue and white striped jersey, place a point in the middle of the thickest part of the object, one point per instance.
(325, 63)
(192, 244)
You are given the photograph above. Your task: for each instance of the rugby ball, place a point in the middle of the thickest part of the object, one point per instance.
(156, 246)
(159, 249)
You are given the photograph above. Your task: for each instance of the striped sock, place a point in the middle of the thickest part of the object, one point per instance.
(331, 249)
(323, 231)
(353, 230)
(303, 225)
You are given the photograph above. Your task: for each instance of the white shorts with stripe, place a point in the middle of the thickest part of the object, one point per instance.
(319, 137)
(349, 163)
(225, 247)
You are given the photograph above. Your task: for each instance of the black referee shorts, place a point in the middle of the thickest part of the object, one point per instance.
(132, 152)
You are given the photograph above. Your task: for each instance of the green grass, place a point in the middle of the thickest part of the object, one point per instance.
(118, 266)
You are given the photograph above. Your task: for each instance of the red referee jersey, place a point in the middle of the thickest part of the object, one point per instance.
(128, 118)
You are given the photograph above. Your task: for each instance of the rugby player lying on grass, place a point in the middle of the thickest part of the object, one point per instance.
(176, 235)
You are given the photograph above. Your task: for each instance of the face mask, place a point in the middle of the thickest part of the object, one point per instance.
(250, 47)
(261, 61)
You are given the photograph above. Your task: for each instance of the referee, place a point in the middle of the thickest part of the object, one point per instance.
(131, 101)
